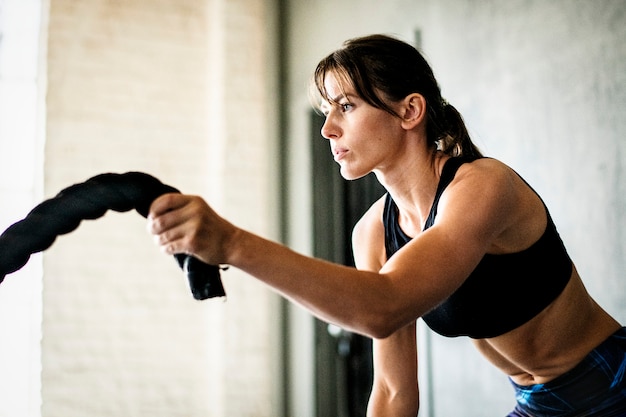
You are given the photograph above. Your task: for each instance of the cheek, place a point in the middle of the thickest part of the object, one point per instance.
(380, 126)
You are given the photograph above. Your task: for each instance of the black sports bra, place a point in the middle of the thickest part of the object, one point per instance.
(504, 291)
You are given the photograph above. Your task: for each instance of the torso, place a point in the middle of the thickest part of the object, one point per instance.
(564, 332)
(554, 341)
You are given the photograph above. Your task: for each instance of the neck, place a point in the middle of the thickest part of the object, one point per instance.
(413, 186)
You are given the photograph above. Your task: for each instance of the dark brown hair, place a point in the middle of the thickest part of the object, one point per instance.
(383, 69)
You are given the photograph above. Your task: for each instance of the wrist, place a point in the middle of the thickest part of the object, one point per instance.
(232, 247)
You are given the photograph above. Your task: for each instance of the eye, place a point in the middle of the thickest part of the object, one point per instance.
(346, 106)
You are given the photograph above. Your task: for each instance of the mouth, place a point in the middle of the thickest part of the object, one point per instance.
(339, 153)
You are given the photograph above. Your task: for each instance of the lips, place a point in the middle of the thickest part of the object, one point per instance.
(339, 153)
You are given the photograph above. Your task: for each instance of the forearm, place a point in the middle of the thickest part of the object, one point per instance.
(382, 405)
(342, 295)
(395, 390)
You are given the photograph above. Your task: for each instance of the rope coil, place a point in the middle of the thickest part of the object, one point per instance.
(91, 200)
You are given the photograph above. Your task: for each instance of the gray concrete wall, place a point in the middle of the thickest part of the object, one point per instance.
(542, 86)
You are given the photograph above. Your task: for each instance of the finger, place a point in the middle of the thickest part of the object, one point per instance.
(165, 225)
(166, 202)
(166, 238)
(171, 241)
(171, 249)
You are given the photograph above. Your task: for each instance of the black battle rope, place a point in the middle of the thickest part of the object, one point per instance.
(90, 200)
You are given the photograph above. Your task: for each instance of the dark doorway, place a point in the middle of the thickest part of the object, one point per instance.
(343, 363)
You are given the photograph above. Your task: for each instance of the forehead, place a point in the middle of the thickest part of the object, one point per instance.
(337, 85)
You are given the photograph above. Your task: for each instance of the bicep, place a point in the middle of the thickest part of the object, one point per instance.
(426, 271)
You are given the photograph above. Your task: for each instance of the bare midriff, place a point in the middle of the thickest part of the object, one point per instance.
(554, 341)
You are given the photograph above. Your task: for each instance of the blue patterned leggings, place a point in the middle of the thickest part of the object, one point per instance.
(595, 387)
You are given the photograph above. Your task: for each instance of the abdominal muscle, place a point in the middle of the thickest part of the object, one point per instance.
(554, 341)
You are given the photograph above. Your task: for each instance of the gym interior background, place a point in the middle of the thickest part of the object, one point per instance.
(210, 96)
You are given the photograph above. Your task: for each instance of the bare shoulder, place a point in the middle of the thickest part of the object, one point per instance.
(491, 196)
(372, 221)
(485, 200)
(485, 171)
(483, 184)
(368, 237)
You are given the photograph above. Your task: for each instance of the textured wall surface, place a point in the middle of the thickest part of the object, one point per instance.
(156, 86)
(542, 86)
(21, 96)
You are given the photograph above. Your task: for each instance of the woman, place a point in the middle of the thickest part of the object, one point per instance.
(459, 240)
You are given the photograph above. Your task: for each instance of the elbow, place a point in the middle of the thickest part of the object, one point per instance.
(380, 331)
(380, 318)
(383, 325)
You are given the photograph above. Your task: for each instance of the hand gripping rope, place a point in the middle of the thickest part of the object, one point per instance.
(90, 200)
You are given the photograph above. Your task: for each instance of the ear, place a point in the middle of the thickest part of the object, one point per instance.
(413, 110)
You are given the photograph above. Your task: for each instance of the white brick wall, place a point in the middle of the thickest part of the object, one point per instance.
(130, 87)
(20, 180)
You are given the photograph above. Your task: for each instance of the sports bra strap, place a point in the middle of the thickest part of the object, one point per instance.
(447, 175)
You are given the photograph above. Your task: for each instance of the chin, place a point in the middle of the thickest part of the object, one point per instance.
(350, 176)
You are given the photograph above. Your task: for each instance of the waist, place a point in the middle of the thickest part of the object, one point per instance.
(597, 383)
(554, 341)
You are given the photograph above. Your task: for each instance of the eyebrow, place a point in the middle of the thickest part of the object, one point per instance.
(347, 96)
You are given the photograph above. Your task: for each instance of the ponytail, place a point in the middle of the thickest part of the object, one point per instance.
(449, 133)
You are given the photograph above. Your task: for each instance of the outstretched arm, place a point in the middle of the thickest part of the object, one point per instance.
(372, 302)
(334, 293)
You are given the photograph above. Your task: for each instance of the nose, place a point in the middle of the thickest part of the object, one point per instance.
(329, 129)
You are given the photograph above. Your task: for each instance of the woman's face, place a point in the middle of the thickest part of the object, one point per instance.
(361, 136)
